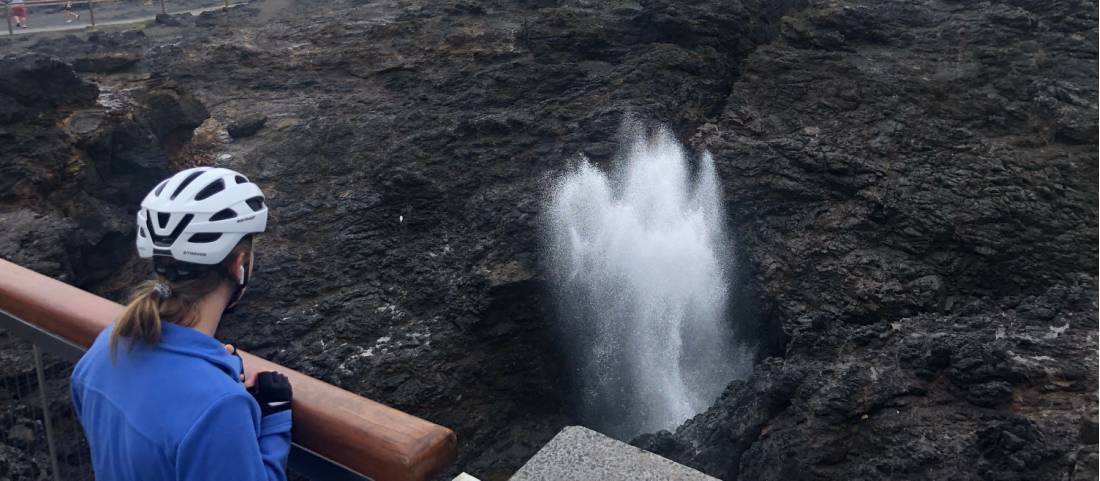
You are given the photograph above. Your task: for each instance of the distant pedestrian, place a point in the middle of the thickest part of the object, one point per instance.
(70, 15)
(19, 11)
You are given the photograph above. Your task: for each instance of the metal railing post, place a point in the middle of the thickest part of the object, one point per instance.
(46, 412)
(226, 5)
(7, 15)
(91, 12)
(163, 9)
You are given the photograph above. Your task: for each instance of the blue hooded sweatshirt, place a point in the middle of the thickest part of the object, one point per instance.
(175, 411)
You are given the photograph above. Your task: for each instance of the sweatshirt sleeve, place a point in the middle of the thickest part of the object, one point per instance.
(225, 443)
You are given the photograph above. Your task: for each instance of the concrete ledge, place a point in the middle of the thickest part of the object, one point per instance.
(578, 453)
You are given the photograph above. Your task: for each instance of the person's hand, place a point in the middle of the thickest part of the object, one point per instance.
(272, 391)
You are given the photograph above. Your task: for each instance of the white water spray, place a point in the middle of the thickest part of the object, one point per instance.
(639, 270)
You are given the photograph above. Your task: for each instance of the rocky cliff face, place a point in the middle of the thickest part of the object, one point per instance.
(76, 158)
(911, 187)
(916, 187)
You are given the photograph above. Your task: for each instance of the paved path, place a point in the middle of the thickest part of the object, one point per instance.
(578, 453)
(55, 21)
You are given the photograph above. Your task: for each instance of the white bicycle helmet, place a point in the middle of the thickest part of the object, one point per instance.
(199, 215)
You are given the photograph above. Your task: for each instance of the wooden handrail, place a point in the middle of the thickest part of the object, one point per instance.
(46, 3)
(373, 439)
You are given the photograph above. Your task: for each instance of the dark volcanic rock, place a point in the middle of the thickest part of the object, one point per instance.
(921, 176)
(174, 20)
(40, 81)
(894, 405)
(911, 187)
(72, 174)
(208, 18)
(246, 126)
(41, 242)
(105, 63)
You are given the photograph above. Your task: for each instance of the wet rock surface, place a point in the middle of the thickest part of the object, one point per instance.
(911, 187)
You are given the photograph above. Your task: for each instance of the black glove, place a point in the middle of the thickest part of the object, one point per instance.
(272, 391)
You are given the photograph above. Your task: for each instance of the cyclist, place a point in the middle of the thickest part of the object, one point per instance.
(158, 396)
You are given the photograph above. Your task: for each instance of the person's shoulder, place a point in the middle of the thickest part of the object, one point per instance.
(97, 352)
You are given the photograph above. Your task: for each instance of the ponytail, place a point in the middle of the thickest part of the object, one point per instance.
(141, 319)
(178, 304)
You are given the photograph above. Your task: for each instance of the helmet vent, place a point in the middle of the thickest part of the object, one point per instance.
(141, 231)
(185, 183)
(256, 203)
(160, 188)
(213, 188)
(240, 179)
(223, 215)
(204, 237)
(167, 240)
(162, 219)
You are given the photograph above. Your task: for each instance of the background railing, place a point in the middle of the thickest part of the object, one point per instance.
(46, 325)
(88, 9)
(33, 382)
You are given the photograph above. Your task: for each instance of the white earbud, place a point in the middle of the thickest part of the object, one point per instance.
(240, 276)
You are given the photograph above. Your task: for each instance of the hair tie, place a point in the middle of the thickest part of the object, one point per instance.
(163, 290)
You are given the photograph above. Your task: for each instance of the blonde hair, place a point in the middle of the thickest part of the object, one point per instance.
(141, 319)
